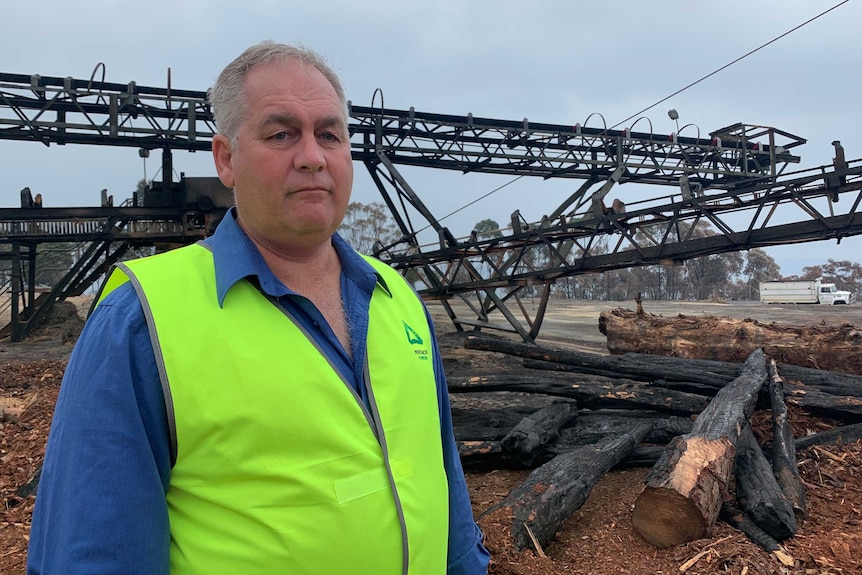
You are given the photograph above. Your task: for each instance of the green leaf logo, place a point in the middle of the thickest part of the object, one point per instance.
(412, 336)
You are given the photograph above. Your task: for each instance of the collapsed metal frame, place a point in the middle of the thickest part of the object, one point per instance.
(740, 168)
(105, 235)
(660, 234)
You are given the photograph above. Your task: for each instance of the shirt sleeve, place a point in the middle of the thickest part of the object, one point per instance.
(100, 506)
(467, 555)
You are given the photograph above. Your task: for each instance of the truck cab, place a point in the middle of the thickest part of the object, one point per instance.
(830, 294)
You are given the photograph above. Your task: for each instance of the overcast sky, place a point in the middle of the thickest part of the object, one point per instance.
(555, 61)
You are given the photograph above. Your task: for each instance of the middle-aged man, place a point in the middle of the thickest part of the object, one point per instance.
(267, 401)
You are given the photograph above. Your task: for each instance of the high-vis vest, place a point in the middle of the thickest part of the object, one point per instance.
(280, 468)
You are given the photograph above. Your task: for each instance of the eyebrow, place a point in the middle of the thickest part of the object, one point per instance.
(291, 120)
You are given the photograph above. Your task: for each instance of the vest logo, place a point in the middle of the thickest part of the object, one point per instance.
(414, 338)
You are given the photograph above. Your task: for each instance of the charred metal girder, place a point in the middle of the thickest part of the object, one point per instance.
(104, 235)
(653, 234)
(139, 225)
(735, 179)
(67, 110)
(486, 145)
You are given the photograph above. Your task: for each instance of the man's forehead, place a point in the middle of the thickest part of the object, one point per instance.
(292, 80)
(297, 74)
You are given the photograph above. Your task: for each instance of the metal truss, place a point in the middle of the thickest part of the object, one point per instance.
(104, 236)
(657, 233)
(63, 111)
(67, 110)
(734, 178)
(467, 144)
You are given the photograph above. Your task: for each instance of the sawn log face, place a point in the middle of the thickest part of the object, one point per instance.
(684, 491)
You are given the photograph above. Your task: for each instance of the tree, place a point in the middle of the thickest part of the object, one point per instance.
(487, 229)
(365, 225)
(710, 276)
(759, 267)
(809, 273)
(845, 274)
(141, 191)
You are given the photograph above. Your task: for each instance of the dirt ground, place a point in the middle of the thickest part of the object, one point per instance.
(598, 539)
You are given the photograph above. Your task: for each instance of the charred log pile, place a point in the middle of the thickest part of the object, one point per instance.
(687, 419)
(833, 348)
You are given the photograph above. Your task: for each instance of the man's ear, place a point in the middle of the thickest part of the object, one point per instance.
(222, 155)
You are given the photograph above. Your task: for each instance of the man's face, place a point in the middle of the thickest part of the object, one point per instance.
(290, 168)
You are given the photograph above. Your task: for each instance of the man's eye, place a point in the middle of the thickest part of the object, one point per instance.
(329, 137)
(279, 137)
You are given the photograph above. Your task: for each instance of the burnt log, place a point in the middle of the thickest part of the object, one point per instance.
(481, 455)
(848, 408)
(582, 368)
(834, 348)
(642, 367)
(705, 389)
(737, 518)
(642, 456)
(589, 393)
(845, 407)
(592, 427)
(685, 489)
(535, 431)
(687, 374)
(688, 387)
(841, 434)
(831, 382)
(758, 492)
(486, 424)
(31, 486)
(586, 429)
(552, 492)
(784, 448)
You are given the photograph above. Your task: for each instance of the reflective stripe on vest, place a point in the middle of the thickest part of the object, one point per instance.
(279, 466)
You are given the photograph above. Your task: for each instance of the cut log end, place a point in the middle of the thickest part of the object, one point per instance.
(684, 491)
(665, 518)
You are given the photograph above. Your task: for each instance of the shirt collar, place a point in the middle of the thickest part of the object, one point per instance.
(236, 257)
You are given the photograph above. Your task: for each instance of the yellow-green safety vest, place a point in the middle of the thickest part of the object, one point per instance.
(280, 468)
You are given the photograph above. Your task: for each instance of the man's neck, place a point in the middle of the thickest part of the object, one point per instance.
(315, 275)
(305, 271)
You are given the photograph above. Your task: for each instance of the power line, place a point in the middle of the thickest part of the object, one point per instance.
(713, 73)
(495, 190)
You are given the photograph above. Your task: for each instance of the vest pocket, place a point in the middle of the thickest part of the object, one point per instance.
(371, 481)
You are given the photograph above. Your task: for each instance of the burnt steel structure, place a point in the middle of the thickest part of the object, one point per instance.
(737, 179)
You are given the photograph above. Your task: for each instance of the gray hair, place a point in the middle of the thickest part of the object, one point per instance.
(227, 96)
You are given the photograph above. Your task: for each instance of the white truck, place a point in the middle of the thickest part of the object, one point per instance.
(804, 291)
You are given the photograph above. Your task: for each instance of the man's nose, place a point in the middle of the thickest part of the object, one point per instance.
(309, 154)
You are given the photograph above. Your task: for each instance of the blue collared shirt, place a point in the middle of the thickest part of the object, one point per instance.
(101, 506)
